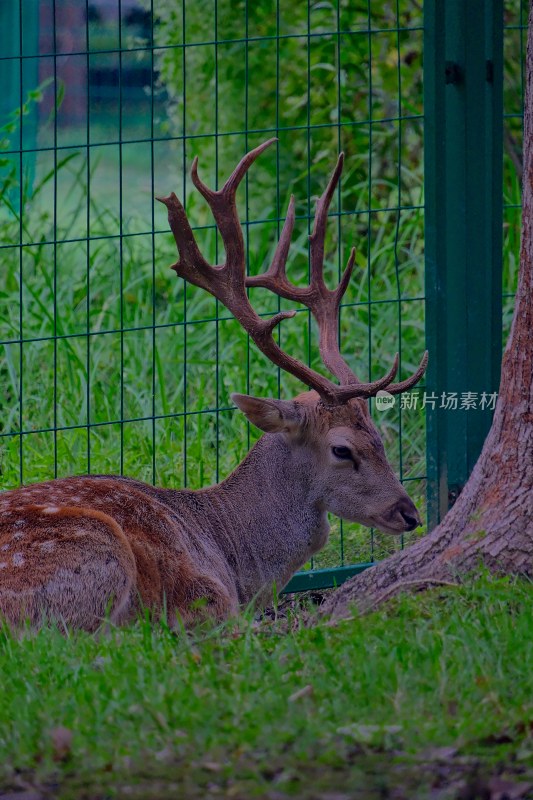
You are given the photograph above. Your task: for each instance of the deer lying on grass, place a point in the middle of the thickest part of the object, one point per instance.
(77, 549)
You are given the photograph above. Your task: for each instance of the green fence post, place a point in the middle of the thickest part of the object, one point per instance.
(463, 95)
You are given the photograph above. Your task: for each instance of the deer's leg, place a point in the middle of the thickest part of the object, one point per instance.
(199, 596)
(62, 564)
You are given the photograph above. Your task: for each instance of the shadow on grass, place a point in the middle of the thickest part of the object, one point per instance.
(349, 773)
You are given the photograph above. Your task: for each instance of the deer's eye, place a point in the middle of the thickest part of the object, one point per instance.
(342, 452)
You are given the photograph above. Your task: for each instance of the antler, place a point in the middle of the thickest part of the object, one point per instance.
(228, 283)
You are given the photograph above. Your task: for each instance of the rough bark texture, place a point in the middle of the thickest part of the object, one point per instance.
(491, 523)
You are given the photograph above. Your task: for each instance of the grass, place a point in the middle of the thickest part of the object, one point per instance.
(431, 685)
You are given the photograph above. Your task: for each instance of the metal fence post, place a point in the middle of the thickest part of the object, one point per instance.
(463, 49)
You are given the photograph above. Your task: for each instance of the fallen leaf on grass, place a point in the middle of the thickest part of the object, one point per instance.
(304, 692)
(212, 766)
(166, 755)
(367, 734)
(61, 743)
(437, 754)
(453, 707)
(334, 623)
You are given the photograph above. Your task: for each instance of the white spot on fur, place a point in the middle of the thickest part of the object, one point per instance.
(19, 523)
(17, 536)
(50, 510)
(48, 546)
(3, 564)
(5, 547)
(18, 559)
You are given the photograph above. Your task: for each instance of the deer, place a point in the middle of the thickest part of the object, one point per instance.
(82, 550)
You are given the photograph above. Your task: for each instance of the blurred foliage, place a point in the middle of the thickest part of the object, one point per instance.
(320, 77)
(324, 76)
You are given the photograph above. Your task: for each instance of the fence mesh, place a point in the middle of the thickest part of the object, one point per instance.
(108, 362)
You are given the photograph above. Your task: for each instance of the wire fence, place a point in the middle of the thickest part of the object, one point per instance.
(108, 363)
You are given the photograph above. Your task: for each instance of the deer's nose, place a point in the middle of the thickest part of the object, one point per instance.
(409, 513)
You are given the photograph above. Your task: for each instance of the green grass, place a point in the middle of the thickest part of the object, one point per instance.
(218, 710)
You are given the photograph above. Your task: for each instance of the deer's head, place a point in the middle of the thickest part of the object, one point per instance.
(329, 428)
(340, 451)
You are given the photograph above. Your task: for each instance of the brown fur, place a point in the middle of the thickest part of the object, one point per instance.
(79, 549)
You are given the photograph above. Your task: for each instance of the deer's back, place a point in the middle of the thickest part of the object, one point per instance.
(78, 548)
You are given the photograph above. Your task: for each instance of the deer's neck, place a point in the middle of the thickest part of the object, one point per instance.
(270, 521)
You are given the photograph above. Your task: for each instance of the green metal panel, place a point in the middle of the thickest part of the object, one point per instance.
(323, 578)
(463, 48)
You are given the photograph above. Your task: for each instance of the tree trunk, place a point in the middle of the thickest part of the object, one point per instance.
(491, 523)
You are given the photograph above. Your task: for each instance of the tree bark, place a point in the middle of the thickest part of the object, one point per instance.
(491, 523)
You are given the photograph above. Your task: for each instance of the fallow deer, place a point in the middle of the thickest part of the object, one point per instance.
(82, 549)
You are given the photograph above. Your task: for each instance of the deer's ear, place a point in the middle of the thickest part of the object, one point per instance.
(271, 416)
